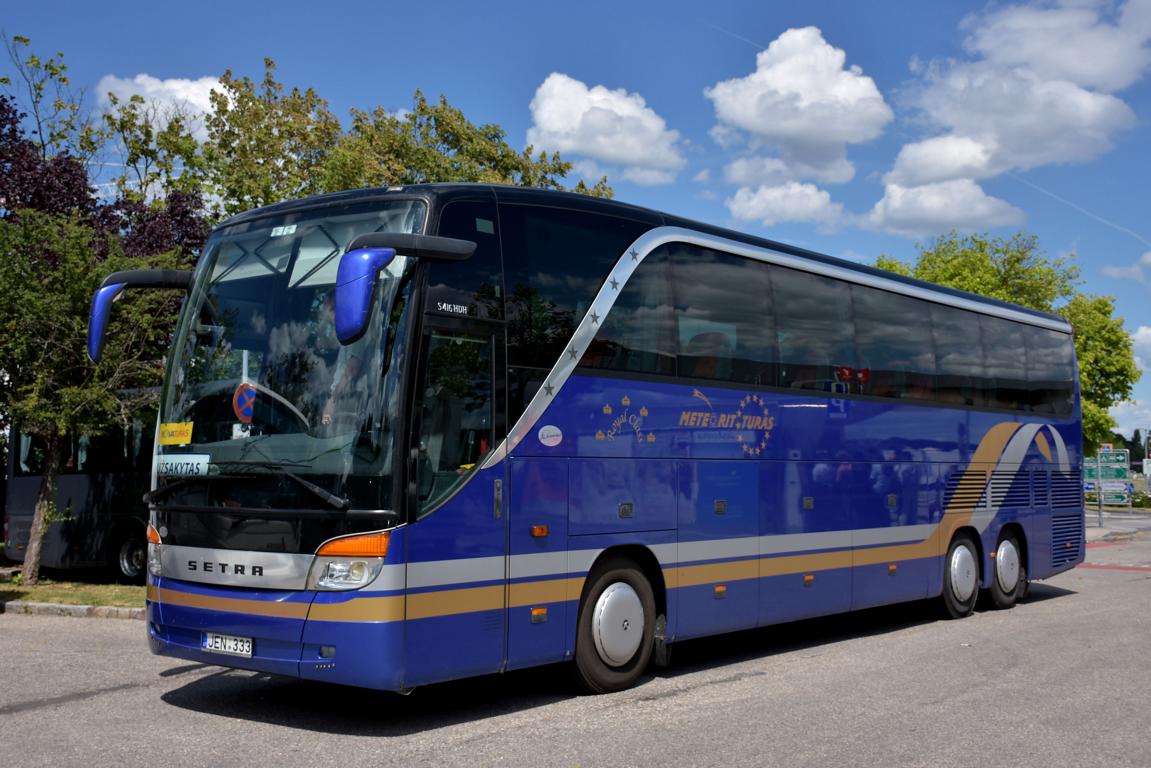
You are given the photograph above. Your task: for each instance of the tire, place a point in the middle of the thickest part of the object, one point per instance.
(128, 556)
(1010, 582)
(960, 577)
(611, 651)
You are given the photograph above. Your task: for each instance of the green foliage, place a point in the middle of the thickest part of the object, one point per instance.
(55, 109)
(267, 144)
(435, 142)
(1107, 369)
(159, 153)
(264, 144)
(1015, 270)
(51, 267)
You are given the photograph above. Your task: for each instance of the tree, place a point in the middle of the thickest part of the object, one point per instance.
(159, 153)
(1015, 270)
(435, 142)
(57, 242)
(51, 267)
(265, 145)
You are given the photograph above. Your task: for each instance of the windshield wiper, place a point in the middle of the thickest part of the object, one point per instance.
(332, 499)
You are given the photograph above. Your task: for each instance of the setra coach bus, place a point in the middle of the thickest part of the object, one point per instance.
(414, 434)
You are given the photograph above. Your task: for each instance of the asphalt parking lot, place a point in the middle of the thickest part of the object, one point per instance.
(1061, 679)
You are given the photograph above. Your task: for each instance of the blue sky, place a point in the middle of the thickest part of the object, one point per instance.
(851, 128)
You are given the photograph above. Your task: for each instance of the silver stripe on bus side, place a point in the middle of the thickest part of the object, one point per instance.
(438, 573)
(653, 239)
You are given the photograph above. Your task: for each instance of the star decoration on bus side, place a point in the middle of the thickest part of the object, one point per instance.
(573, 353)
(594, 319)
(634, 255)
(614, 284)
(549, 390)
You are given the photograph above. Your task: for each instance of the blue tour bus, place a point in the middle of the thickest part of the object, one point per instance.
(420, 433)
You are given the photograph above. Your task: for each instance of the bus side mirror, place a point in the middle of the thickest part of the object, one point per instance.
(113, 287)
(98, 318)
(360, 267)
(355, 284)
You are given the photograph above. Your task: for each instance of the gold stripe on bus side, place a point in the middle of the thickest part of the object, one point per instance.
(540, 592)
(428, 605)
(232, 605)
(373, 609)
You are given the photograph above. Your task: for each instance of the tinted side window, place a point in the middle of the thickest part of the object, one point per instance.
(724, 326)
(961, 374)
(474, 286)
(638, 334)
(556, 261)
(815, 329)
(1006, 363)
(1050, 371)
(893, 342)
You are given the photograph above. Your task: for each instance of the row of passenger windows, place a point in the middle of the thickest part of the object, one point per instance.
(698, 313)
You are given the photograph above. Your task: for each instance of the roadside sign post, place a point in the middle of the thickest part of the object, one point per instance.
(1109, 476)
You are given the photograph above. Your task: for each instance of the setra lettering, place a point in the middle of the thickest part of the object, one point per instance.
(238, 569)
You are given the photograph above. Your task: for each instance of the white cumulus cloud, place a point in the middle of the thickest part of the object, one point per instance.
(190, 97)
(1067, 41)
(931, 209)
(1037, 90)
(803, 102)
(942, 158)
(1131, 416)
(1024, 120)
(1133, 272)
(607, 127)
(1141, 342)
(792, 201)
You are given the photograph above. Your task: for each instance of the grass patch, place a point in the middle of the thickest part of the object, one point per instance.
(75, 593)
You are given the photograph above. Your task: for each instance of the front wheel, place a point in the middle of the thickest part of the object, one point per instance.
(1010, 580)
(616, 629)
(960, 577)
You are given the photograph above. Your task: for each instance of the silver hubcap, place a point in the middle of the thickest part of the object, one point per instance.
(963, 572)
(1007, 566)
(617, 624)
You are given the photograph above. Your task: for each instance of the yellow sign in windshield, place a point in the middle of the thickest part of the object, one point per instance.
(176, 433)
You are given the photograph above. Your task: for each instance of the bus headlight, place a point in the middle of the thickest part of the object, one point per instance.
(335, 573)
(349, 562)
(154, 549)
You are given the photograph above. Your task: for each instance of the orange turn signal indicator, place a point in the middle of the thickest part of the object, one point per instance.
(363, 545)
(153, 535)
(539, 531)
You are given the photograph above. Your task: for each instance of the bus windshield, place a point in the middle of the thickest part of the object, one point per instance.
(263, 409)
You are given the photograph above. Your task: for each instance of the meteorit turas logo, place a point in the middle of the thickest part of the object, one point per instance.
(752, 420)
(625, 422)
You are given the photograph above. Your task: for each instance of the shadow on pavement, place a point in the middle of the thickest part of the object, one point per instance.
(337, 709)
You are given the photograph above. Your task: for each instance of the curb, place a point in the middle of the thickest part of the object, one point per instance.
(75, 611)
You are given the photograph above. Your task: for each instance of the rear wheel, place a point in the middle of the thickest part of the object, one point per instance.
(616, 628)
(960, 577)
(1010, 580)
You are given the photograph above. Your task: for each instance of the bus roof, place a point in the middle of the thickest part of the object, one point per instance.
(440, 193)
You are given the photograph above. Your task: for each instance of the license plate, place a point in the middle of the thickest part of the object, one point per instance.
(228, 645)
